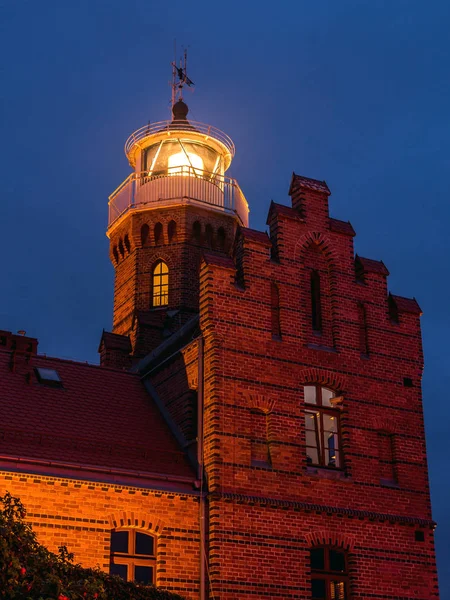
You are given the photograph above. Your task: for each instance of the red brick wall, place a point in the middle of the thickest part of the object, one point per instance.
(132, 289)
(80, 514)
(254, 399)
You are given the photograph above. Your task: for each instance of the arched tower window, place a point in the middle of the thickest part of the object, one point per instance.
(158, 232)
(322, 428)
(197, 230)
(209, 233)
(133, 556)
(172, 231)
(329, 573)
(145, 230)
(160, 284)
(221, 237)
(316, 308)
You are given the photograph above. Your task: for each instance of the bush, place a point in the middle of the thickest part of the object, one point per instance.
(28, 571)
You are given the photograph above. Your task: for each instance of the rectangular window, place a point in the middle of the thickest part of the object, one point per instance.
(322, 428)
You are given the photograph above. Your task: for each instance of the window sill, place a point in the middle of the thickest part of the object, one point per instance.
(326, 473)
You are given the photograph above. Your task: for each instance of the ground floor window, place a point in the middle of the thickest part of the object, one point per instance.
(329, 574)
(133, 555)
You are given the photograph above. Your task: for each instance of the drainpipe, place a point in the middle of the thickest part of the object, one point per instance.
(200, 474)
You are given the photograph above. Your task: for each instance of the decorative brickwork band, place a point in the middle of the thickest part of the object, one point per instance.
(329, 538)
(260, 402)
(335, 381)
(308, 507)
(136, 520)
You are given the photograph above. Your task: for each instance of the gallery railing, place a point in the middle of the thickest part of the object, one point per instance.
(178, 184)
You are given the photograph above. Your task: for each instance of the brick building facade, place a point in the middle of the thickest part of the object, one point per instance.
(255, 429)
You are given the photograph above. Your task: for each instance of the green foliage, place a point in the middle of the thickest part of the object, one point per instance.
(28, 571)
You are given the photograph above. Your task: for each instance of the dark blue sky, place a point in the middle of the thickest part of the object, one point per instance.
(354, 92)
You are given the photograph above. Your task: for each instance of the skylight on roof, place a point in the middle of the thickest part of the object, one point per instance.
(49, 376)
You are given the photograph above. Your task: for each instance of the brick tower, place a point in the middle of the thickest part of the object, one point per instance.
(177, 203)
(287, 372)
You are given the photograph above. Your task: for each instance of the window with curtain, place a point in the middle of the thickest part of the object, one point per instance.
(160, 284)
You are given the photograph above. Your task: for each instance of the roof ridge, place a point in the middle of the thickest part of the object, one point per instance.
(74, 362)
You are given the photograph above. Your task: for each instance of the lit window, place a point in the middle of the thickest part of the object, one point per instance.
(160, 284)
(133, 556)
(48, 376)
(323, 446)
(329, 577)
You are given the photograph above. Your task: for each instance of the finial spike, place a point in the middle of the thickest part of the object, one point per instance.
(179, 77)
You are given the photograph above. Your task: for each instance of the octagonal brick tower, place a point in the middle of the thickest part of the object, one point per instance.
(176, 203)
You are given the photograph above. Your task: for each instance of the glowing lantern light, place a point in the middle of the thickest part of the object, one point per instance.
(185, 163)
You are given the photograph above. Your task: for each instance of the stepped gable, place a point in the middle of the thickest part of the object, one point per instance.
(212, 258)
(256, 236)
(372, 266)
(96, 417)
(281, 209)
(307, 182)
(407, 305)
(344, 227)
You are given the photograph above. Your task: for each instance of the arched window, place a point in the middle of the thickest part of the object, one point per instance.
(157, 232)
(145, 230)
(329, 574)
(197, 230)
(160, 284)
(316, 307)
(209, 233)
(221, 238)
(172, 231)
(133, 555)
(121, 248)
(322, 428)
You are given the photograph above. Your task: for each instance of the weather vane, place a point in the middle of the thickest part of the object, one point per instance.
(179, 78)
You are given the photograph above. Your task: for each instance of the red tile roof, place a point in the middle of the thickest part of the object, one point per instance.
(99, 417)
(344, 227)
